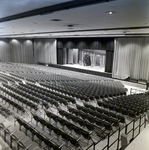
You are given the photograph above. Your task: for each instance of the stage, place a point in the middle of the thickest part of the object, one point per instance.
(94, 70)
(91, 68)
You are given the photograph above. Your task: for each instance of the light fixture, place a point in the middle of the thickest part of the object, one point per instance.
(56, 20)
(11, 27)
(71, 25)
(34, 23)
(110, 12)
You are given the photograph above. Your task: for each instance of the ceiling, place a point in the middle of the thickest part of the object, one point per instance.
(73, 18)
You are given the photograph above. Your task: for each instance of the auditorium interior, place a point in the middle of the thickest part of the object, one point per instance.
(74, 74)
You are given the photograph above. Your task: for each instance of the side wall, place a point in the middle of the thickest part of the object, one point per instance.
(28, 51)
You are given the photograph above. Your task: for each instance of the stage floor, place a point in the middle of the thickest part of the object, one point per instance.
(91, 68)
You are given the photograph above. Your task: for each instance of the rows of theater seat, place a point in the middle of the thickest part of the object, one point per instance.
(65, 114)
(88, 90)
(131, 105)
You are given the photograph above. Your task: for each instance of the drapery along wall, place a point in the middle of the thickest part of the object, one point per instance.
(14, 50)
(131, 58)
(21, 51)
(4, 50)
(45, 51)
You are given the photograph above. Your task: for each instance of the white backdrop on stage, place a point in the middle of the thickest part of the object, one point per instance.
(97, 56)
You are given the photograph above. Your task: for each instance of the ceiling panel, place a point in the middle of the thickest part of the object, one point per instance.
(11, 7)
(129, 16)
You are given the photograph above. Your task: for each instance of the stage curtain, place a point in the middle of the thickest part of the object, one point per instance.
(45, 51)
(60, 56)
(75, 56)
(70, 56)
(109, 61)
(130, 58)
(65, 56)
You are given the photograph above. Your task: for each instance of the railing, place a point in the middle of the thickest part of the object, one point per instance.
(130, 129)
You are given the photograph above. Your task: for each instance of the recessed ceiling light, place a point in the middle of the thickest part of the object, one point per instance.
(147, 23)
(110, 12)
(31, 30)
(71, 25)
(56, 20)
(33, 23)
(11, 27)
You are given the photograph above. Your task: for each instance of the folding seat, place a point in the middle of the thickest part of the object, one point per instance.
(107, 125)
(57, 133)
(86, 135)
(91, 112)
(61, 112)
(90, 118)
(111, 107)
(80, 122)
(24, 143)
(124, 111)
(73, 111)
(89, 106)
(20, 108)
(89, 126)
(131, 113)
(73, 118)
(99, 122)
(114, 121)
(36, 118)
(86, 99)
(79, 107)
(74, 142)
(40, 138)
(105, 117)
(55, 103)
(16, 137)
(60, 121)
(67, 115)
(82, 114)
(45, 104)
(100, 103)
(117, 109)
(98, 115)
(33, 106)
(105, 104)
(64, 101)
(50, 144)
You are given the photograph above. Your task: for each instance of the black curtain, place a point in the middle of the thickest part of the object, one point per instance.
(60, 56)
(109, 61)
(86, 43)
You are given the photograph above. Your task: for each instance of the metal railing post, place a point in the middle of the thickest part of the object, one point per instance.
(126, 129)
(133, 129)
(108, 141)
(119, 130)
